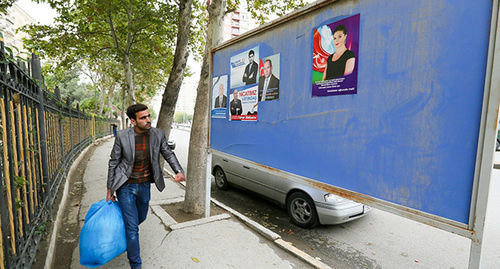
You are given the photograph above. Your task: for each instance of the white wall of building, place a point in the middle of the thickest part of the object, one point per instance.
(9, 23)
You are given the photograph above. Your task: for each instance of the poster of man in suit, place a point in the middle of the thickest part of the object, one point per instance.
(244, 68)
(269, 83)
(250, 74)
(219, 97)
(243, 104)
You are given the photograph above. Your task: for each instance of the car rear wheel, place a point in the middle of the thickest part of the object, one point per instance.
(220, 179)
(302, 210)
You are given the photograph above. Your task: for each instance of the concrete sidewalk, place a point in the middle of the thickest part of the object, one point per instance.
(228, 240)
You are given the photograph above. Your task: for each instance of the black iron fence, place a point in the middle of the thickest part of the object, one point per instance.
(40, 136)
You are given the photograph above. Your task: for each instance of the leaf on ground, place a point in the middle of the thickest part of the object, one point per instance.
(195, 259)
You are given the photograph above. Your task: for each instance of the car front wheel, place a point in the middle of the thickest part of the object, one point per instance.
(302, 210)
(220, 179)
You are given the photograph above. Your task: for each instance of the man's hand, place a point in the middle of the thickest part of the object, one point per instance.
(110, 196)
(179, 177)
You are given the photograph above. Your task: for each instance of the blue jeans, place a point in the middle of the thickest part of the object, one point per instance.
(134, 203)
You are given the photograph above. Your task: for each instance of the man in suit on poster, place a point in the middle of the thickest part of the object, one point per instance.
(269, 85)
(221, 100)
(235, 105)
(250, 74)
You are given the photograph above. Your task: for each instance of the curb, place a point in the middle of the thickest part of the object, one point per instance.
(274, 237)
(198, 222)
(301, 254)
(250, 223)
(268, 234)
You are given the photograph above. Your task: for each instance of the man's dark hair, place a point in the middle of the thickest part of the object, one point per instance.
(131, 110)
(270, 63)
(251, 53)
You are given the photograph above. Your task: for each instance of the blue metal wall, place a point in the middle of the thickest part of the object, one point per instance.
(409, 136)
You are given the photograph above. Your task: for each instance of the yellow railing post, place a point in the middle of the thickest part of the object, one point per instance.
(7, 178)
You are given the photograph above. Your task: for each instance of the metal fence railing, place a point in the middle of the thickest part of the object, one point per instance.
(40, 136)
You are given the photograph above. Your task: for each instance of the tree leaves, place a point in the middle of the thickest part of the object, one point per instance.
(139, 35)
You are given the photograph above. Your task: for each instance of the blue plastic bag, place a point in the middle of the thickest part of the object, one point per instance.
(103, 235)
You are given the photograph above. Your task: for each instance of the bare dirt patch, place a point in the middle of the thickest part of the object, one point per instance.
(176, 212)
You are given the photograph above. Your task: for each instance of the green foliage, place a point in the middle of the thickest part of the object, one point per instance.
(19, 204)
(106, 110)
(33, 149)
(19, 181)
(4, 4)
(68, 81)
(182, 117)
(41, 229)
(88, 104)
(152, 112)
(262, 9)
(105, 31)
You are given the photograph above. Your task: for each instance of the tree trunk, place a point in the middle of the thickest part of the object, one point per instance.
(110, 101)
(101, 100)
(124, 108)
(194, 201)
(129, 78)
(171, 93)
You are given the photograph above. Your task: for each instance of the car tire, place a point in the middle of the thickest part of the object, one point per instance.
(302, 210)
(220, 179)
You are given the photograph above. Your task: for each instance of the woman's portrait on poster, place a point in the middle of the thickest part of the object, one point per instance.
(342, 61)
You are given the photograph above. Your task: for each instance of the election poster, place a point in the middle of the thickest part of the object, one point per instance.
(243, 104)
(269, 80)
(244, 68)
(335, 57)
(219, 97)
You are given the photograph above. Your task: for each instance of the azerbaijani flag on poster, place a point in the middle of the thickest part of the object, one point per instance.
(261, 68)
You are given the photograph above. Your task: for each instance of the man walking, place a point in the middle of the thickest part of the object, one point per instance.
(134, 164)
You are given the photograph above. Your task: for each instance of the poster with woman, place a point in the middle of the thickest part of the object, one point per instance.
(335, 57)
(219, 97)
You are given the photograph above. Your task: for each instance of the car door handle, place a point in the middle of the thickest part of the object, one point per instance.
(247, 167)
(224, 159)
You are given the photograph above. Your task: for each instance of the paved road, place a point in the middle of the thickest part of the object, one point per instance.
(380, 240)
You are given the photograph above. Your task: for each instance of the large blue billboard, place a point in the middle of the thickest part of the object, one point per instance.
(406, 125)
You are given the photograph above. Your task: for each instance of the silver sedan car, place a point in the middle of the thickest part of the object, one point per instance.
(306, 206)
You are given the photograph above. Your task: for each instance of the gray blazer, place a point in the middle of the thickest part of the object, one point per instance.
(123, 154)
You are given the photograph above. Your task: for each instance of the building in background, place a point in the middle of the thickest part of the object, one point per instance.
(187, 94)
(237, 23)
(9, 23)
